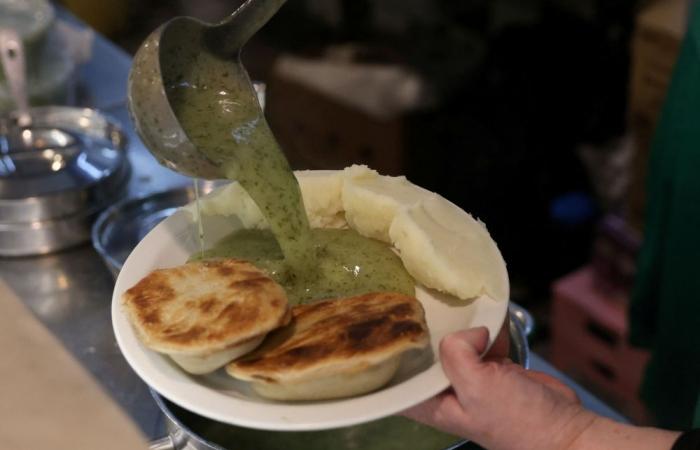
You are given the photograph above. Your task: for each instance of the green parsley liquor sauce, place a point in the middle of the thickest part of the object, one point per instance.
(347, 264)
(220, 113)
(224, 122)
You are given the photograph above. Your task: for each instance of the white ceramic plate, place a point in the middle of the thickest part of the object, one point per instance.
(220, 397)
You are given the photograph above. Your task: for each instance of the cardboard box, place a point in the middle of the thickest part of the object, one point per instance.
(614, 257)
(328, 114)
(659, 31)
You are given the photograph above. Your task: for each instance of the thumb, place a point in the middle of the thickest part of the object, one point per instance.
(460, 354)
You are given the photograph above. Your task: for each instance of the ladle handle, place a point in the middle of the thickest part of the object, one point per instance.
(12, 58)
(231, 34)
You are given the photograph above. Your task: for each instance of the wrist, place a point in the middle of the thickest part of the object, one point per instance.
(587, 432)
(604, 433)
(582, 424)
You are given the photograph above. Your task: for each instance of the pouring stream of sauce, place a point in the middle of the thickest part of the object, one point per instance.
(219, 111)
(234, 134)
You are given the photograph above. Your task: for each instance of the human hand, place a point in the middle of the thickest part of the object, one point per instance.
(497, 403)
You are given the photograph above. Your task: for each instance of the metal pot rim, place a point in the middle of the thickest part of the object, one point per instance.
(190, 435)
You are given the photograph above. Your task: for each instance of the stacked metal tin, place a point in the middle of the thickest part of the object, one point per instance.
(56, 175)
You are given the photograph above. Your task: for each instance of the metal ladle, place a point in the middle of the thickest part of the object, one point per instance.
(179, 51)
(12, 59)
(25, 149)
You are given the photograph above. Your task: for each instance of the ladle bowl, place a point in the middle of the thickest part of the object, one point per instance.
(188, 52)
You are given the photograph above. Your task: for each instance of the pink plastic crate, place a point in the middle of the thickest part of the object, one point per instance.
(589, 340)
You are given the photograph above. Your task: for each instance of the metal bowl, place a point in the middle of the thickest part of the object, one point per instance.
(120, 227)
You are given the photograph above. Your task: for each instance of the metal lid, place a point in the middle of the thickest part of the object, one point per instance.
(70, 161)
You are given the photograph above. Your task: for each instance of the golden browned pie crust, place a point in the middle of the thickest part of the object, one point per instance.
(205, 306)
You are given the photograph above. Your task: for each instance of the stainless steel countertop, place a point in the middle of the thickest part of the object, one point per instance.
(70, 292)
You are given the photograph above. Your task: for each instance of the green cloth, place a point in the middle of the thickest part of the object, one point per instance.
(665, 305)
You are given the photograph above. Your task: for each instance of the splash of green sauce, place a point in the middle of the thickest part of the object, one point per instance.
(392, 433)
(347, 264)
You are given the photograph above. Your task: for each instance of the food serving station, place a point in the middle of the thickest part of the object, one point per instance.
(70, 291)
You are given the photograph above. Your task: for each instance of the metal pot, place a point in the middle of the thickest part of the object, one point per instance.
(188, 431)
(56, 176)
